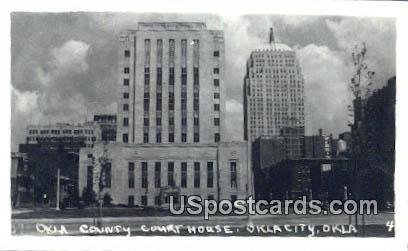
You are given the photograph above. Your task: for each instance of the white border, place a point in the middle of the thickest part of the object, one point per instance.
(233, 8)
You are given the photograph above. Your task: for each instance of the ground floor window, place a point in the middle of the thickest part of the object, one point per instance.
(144, 200)
(131, 200)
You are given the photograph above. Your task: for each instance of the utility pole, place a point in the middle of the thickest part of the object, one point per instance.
(58, 189)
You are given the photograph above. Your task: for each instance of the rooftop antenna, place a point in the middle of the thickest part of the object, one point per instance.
(271, 37)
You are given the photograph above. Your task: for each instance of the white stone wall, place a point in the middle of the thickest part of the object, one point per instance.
(134, 40)
(221, 155)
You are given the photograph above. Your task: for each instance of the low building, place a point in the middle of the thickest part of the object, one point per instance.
(316, 178)
(293, 140)
(266, 152)
(108, 126)
(89, 132)
(140, 174)
(22, 181)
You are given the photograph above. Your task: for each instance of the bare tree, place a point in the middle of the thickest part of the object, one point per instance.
(100, 161)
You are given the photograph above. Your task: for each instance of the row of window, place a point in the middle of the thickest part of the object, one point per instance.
(171, 49)
(217, 137)
(126, 70)
(183, 178)
(158, 200)
(107, 176)
(35, 132)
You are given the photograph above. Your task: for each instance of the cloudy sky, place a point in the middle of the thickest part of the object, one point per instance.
(64, 65)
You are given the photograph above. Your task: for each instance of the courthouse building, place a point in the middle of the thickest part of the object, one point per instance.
(170, 120)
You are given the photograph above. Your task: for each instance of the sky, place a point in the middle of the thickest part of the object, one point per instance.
(64, 65)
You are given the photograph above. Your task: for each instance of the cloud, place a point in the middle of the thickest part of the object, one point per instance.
(234, 119)
(25, 101)
(234, 106)
(68, 70)
(379, 34)
(71, 56)
(326, 93)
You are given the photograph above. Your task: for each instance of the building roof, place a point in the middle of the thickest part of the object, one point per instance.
(274, 46)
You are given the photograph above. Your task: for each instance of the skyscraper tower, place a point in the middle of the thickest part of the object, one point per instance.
(171, 84)
(273, 92)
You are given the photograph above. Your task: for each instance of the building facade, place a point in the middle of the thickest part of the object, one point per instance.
(373, 144)
(273, 91)
(140, 174)
(171, 78)
(170, 121)
(87, 132)
(22, 180)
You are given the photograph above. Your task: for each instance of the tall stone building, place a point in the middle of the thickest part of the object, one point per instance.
(273, 91)
(170, 121)
(171, 79)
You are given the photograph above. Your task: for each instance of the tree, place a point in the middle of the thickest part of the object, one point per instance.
(107, 199)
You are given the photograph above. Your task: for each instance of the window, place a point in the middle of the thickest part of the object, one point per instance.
(170, 174)
(144, 200)
(157, 174)
(184, 137)
(216, 82)
(216, 53)
(216, 70)
(125, 121)
(217, 137)
(196, 121)
(145, 121)
(171, 76)
(159, 76)
(108, 173)
(210, 197)
(127, 53)
(126, 70)
(145, 137)
(146, 104)
(157, 200)
(184, 76)
(144, 175)
(216, 107)
(216, 95)
(125, 81)
(196, 104)
(196, 78)
(233, 168)
(196, 174)
(196, 137)
(171, 100)
(158, 137)
(171, 120)
(233, 198)
(131, 175)
(171, 137)
(89, 178)
(171, 51)
(125, 138)
(126, 95)
(158, 121)
(210, 174)
(126, 107)
(131, 200)
(216, 121)
(183, 174)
